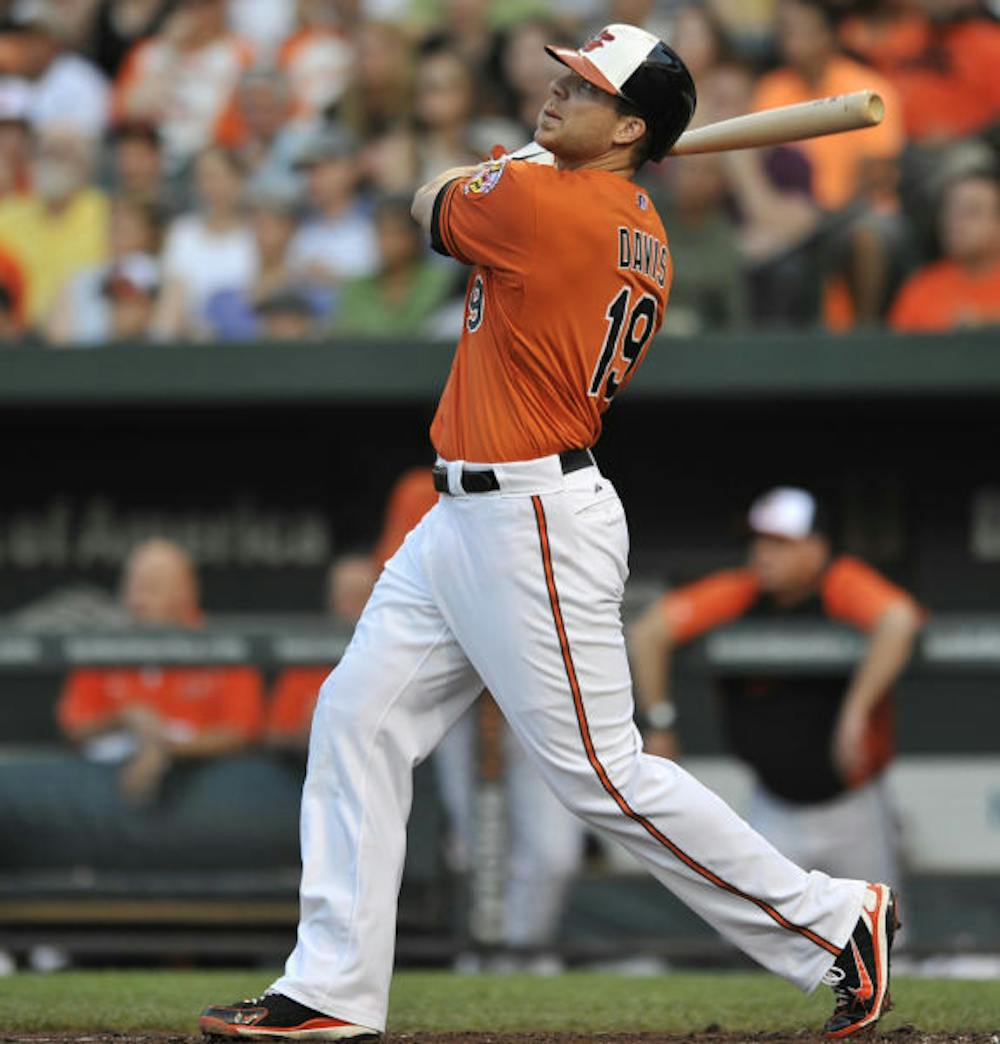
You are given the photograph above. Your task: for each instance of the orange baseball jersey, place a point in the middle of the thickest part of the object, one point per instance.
(851, 592)
(945, 296)
(191, 700)
(571, 279)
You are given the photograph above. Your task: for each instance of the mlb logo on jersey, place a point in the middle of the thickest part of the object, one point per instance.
(641, 201)
(486, 180)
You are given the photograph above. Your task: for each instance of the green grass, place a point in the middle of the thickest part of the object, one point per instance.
(437, 1001)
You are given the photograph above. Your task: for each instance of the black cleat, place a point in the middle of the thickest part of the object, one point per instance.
(276, 1016)
(860, 975)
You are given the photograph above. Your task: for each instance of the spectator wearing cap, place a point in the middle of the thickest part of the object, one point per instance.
(66, 89)
(818, 745)
(82, 315)
(146, 719)
(132, 287)
(337, 241)
(855, 176)
(182, 79)
(286, 315)
(61, 227)
(235, 314)
(208, 251)
(406, 291)
(962, 288)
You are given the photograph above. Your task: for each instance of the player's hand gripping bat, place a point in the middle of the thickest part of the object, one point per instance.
(811, 119)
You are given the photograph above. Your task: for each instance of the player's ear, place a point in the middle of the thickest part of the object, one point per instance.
(629, 130)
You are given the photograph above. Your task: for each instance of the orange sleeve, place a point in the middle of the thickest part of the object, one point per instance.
(244, 701)
(84, 700)
(12, 278)
(293, 699)
(717, 599)
(489, 219)
(411, 498)
(857, 594)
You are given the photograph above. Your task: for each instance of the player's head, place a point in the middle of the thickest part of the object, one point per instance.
(789, 543)
(159, 585)
(626, 88)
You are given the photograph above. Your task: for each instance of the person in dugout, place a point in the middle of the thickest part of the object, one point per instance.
(147, 718)
(818, 745)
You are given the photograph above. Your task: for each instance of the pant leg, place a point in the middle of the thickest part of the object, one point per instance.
(455, 771)
(401, 684)
(534, 600)
(545, 850)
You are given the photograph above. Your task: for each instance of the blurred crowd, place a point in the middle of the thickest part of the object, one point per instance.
(225, 170)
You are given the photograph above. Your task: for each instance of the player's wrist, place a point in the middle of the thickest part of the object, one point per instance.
(660, 717)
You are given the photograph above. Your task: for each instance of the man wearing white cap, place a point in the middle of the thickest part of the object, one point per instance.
(818, 745)
(513, 581)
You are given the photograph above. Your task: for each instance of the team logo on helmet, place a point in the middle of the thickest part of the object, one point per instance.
(598, 40)
(486, 180)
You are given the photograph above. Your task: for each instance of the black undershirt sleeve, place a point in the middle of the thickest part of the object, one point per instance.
(436, 240)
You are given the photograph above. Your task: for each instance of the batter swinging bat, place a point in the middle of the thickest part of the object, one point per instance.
(811, 119)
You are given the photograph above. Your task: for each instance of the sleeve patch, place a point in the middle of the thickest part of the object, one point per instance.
(486, 180)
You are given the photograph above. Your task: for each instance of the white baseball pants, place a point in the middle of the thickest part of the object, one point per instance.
(518, 591)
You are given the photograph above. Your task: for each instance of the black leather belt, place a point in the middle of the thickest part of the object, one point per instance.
(486, 481)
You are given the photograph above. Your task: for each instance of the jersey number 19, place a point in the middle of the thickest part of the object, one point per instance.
(638, 331)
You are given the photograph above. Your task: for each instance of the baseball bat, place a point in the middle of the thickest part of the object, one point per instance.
(811, 119)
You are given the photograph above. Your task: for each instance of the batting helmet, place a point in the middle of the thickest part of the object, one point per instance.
(638, 67)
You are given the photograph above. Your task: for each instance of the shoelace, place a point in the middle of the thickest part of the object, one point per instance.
(834, 978)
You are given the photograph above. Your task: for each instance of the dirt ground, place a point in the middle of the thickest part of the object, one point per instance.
(709, 1035)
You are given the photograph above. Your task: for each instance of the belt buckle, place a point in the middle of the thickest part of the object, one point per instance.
(440, 475)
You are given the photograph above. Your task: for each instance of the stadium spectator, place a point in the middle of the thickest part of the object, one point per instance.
(818, 746)
(265, 23)
(389, 161)
(709, 290)
(131, 288)
(61, 226)
(259, 126)
(82, 314)
(855, 175)
(147, 718)
(770, 197)
(443, 111)
(963, 288)
(844, 166)
(408, 287)
(182, 79)
(15, 138)
(11, 327)
(66, 90)
(698, 37)
(240, 313)
(208, 251)
(137, 162)
(380, 93)
(286, 315)
(525, 73)
(942, 56)
(337, 242)
(317, 60)
(120, 24)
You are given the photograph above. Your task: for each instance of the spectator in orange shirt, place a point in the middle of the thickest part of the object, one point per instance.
(146, 718)
(182, 80)
(855, 175)
(818, 746)
(942, 56)
(963, 288)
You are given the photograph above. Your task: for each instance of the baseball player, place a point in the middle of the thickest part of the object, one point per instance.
(818, 745)
(514, 582)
